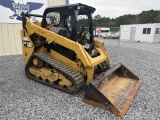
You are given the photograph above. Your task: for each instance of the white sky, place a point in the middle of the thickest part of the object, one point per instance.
(116, 8)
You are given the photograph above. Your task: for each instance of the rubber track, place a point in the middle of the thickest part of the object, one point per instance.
(76, 78)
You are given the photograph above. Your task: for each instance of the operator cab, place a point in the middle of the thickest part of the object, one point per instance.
(72, 21)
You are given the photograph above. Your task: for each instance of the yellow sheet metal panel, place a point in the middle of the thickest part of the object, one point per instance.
(56, 2)
(2, 50)
(18, 41)
(10, 40)
(5, 38)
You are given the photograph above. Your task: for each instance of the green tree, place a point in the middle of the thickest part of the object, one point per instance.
(151, 16)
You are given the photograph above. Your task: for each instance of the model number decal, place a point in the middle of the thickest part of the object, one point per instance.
(27, 44)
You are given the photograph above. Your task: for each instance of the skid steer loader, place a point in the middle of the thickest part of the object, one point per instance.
(61, 52)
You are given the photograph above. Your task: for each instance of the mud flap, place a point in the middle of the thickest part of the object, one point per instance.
(114, 91)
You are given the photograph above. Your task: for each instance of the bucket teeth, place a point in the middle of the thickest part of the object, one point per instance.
(115, 91)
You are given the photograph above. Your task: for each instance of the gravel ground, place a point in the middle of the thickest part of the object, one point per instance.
(21, 98)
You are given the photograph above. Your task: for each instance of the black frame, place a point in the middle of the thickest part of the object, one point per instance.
(72, 10)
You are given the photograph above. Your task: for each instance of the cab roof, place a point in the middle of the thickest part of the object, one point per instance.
(69, 6)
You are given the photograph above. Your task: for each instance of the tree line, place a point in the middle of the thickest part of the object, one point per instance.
(151, 16)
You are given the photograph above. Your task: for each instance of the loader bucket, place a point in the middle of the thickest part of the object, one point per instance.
(114, 91)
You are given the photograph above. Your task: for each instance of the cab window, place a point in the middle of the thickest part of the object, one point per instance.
(53, 18)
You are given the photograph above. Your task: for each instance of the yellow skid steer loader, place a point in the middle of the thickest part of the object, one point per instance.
(61, 52)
